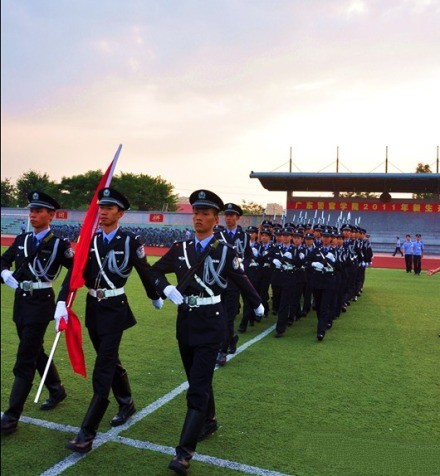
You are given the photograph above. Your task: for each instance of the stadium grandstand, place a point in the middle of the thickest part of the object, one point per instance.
(384, 218)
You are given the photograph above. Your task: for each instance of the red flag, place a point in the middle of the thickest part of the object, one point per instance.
(74, 342)
(73, 327)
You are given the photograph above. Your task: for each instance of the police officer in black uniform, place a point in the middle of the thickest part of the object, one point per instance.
(309, 245)
(321, 263)
(203, 267)
(113, 254)
(288, 259)
(351, 265)
(38, 256)
(234, 235)
(252, 270)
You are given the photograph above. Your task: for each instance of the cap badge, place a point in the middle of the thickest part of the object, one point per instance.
(202, 195)
(35, 196)
(106, 192)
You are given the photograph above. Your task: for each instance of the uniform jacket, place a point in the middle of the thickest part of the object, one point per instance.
(117, 259)
(205, 324)
(38, 305)
(321, 279)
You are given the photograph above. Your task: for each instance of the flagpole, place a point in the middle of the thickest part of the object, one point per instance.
(46, 370)
(72, 293)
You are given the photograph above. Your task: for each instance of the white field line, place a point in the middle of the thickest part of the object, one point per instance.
(113, 433)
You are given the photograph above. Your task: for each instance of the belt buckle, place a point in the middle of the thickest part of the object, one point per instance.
(27, 286)
(100, 294)
(192, 301)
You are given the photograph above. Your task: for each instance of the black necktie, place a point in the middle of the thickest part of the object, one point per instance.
(106, 241)
(231, 234)
(199, 248)
(34, 243)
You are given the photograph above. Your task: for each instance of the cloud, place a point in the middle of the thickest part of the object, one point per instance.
(202, 95)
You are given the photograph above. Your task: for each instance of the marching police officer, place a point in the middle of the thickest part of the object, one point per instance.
(203, 267)
(234, 235)
(288, 260)
(309, 245)
(113, 254)
(38, 256)
(351, 265)
(252, 270)
(321, 261)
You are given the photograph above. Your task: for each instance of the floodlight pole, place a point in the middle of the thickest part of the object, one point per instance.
(386, 159)
(437, 160)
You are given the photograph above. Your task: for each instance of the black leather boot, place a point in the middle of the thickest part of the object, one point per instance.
(84, 440)
(122, 392)
(19, 393)
(210, 424)
(192, 427)
(57, 394)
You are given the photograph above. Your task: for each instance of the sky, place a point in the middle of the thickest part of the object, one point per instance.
(203, 92)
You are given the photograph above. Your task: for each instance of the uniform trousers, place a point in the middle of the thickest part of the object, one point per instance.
(108, 368)
(408, 263)
(199, 364)
(417, 262)
(324, 305)
(254, 276)
(231, 305)
(360, 278)
(31, 355)
(350, 282)
(289, 302)
(339, 294)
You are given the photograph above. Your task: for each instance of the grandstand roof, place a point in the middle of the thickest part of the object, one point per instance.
(349, 182)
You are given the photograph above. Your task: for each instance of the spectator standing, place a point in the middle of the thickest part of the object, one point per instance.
(408, 251)
(418, 254)
(398, 247)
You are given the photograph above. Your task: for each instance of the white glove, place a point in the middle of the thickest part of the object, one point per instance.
(9, 279)
(173, 294)
(157, 303)
(331, 257)
(255, 252)
(277, 263)
(287, 255)
(317, 265)
(259, 312)
(363, 264)
(302, 256)
(60, 313)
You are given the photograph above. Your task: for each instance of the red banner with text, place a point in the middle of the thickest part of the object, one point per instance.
(363, 206)
(61, 215)
(156, 217)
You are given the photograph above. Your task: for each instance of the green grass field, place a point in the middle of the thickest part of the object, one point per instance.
(365, 401)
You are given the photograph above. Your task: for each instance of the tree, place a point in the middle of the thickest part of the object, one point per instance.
(356, 195)
(145, 192)
(8, 194)
(78, 190)
(251, 208)
(33, 180)
(424, 169)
